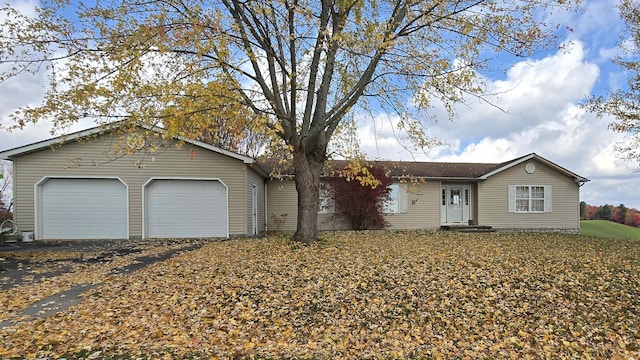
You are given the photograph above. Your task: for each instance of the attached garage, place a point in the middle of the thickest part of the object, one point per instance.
(76, 187)
(185, 208)
(81, 208)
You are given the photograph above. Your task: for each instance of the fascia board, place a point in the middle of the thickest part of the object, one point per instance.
(59, 140)
(537, 157)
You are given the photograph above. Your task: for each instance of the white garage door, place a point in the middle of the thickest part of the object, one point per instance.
(186, 209)
(83, 209)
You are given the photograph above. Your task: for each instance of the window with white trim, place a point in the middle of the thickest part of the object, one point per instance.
(397, 201)
(326, 205)
(529, 198)
(392, 204)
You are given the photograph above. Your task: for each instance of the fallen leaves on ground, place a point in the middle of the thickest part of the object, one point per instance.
(72, 272)
(362, 295)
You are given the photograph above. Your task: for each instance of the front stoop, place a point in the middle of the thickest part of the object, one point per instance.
(468, 228)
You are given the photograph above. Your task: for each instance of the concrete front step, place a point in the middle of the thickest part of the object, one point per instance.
(468, 228)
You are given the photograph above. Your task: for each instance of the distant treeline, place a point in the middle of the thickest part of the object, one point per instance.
(620, 214)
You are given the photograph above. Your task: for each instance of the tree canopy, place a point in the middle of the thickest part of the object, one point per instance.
(624, 103)
(232, 126)
(301, 66)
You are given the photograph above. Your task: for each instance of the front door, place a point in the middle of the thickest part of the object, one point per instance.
(456, 204)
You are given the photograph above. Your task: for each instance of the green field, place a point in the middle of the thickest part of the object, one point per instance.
(608, 229)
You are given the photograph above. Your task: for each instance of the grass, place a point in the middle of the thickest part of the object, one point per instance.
(608, 229)
(388, 295)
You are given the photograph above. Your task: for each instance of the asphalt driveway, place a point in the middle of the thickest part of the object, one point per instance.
(28, 264)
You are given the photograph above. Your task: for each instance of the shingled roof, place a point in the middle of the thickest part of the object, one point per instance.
(433, 170)
(398, 169)
(428, 170)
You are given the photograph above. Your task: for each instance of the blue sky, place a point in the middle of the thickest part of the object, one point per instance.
(542, 112)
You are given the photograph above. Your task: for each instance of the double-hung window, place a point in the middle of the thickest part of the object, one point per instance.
(327, 204)
(392, 204)
(396, 203)
(529, 198)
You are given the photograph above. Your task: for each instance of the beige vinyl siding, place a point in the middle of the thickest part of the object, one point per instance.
(22, 219)
(423, 207)
(282, 203)
(493, 202)
(186, 162)
(422, 204)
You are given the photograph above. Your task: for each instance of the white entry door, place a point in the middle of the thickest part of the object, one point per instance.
(456, 204)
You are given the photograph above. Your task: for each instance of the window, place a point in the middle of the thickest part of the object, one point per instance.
(392, 205)
(397, 201)
(327, 205)
(455, 196)
(529, 198)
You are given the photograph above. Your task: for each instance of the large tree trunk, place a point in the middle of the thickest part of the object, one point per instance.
(308, 168)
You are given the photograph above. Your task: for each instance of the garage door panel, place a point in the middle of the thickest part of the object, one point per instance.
(84, 209)
(186, 208)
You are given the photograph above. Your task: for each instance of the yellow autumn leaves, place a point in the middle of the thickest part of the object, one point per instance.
(359, 170)
(361, 295)
(72, 268)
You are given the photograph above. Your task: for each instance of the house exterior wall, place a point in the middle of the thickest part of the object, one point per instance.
(187, 162)
(493, 202)
(282, 205)
(423, 207)
(422, 204)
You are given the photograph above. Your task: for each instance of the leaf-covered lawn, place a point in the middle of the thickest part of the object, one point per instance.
(79, 270)
(361, 295)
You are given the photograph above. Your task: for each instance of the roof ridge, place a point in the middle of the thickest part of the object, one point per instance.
(102, 129)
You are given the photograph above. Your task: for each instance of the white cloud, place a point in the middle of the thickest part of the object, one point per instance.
(21, 91)
(598, 19)
(380, 138)
(26, 90)
(541, 99)
(26, 7)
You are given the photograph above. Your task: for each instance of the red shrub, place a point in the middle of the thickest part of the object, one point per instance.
(358, 200)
